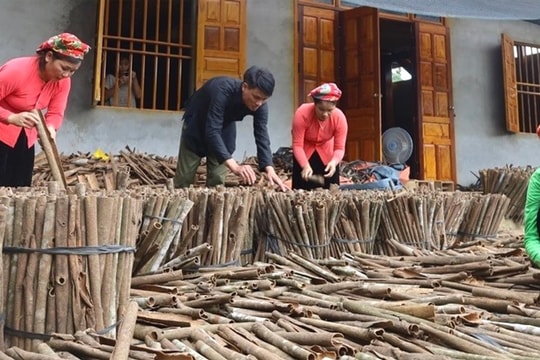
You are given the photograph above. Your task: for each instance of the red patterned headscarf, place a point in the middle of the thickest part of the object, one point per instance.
(66, 44)
(326, 92)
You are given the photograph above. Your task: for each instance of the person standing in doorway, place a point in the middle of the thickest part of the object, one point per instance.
(319, 132)
(210, 129)
(38, 82)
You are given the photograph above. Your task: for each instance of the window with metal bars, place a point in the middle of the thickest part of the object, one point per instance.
(527, 69)
(146, 53)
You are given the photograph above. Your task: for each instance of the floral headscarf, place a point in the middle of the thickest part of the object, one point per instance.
(326, 92)
(66, 44)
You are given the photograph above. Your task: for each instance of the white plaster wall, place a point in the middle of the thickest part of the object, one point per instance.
(26, 23)
(270, 44)
(482, 141)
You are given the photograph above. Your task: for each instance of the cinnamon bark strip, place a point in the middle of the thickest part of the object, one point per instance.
(8, 203)
(287, 346)
(148, 239)
(161, 278)
(125, 332)
(3, 214)
(27, 226)
(217, 203)
(201, 335)
(29, 280)
(75, 264)
(175, 215)
(45, 268)
(62, 282)
(240, 226)
(107, 216)
(246, 346)
(131, 219)
(29, 291)
(91, 222)
(83, 350)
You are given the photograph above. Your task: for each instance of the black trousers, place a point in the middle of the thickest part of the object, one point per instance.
(17, 163)
(318, 169)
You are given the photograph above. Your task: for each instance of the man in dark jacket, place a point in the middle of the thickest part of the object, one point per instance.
(210, 128)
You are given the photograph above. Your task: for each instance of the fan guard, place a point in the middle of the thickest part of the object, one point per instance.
(397, 145)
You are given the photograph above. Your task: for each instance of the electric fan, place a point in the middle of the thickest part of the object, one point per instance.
(397, 145)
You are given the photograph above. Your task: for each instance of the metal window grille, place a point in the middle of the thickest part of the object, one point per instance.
(527, 60)
(157, 37)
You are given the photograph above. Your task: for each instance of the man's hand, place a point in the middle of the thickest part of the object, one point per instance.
(306, 173)
(274, 179)
(330, 169)
(25, 119)
(244, 171)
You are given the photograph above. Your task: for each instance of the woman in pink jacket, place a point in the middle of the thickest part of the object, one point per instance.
(28, 83)
(319, 133)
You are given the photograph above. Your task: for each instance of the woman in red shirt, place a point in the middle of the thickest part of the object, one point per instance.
(319, 133)
(28, 83)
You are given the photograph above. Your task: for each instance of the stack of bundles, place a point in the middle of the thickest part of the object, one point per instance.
(512, 182)
(316, 224)
(413, 218)
(456, 206)
(128, 169)
(432, 220)
(57, 247)
(159, 244)
(218, 227)
(298, 221)
(358, 222)
(482, 219)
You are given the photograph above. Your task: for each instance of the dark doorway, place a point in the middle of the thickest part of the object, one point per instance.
(399, 105)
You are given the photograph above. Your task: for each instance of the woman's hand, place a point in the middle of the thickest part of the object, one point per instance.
(330, 169)
(23, 119)
(307, 171)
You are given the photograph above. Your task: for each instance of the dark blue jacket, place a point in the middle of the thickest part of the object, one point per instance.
(210, 121)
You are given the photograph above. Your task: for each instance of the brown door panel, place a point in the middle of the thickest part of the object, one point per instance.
(221, 45)
(361, 83)
(435, 102)
(317, 49)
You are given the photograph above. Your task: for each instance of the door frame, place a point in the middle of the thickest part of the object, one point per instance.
(446, 168)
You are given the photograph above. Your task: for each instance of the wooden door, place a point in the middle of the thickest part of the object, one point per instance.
(316, 56)
(436, 114)
(221, 39)
(361, 100)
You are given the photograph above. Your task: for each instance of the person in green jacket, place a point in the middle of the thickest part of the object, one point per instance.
(532, 225)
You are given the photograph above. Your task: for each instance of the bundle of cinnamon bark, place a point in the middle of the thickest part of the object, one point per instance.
(67, 260)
